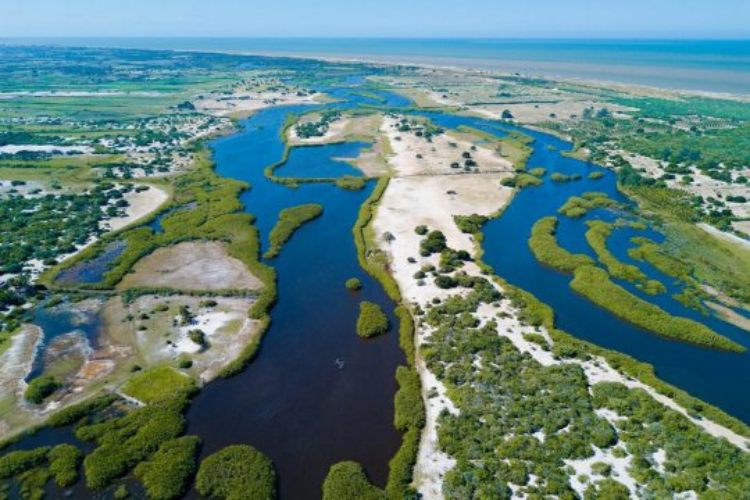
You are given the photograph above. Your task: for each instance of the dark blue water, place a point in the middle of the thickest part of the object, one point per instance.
(92, 270)
(326, 161)
(293, 402)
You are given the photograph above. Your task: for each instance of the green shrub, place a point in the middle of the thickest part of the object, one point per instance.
(64, 460)
(434, 242)
(577, 206)
(290, 219)
(347, 481)
(409, 408)
(128, 440)
(372, 320)
(421, 230)
(166, 475)
(236, 472)
(351, 182)
(16, 462)
(538, 172)
(353, 284)
(607, 489)
(445, 282)
(470, 224)
(41, 388)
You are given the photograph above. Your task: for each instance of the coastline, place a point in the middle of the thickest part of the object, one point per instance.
(420, 62)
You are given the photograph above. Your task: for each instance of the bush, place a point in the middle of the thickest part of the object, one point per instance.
(421, 230)
(353, 284)
(372, 320)
(351, 182)
(445, 282)
(17, 462)
(409, 407)
(577, 206)
(198, 337)
(470, 224)
(64, 460)
(166, 475)
(125, 441)
(236, 472)
(41, 388)
(347, 481)
(433, 243)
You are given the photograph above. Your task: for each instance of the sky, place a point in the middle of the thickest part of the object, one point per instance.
(674, 19)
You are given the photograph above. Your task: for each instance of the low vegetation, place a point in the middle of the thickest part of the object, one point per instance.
(159, 384)
(235, 472)
(348, 481)
(543, 244)
(290, 219)
(372, 320)
(167, 474)
(41, 388)
(353, 284)
(577, 206)
(597, 235)
(594, 284)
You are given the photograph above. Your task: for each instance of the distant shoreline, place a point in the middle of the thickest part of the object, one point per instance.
(686, 67)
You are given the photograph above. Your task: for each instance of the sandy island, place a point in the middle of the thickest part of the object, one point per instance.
(425, 192)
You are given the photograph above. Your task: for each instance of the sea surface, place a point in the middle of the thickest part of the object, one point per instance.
(719, 66)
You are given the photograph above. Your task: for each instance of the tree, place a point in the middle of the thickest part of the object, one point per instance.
(236, 472)
(372, 320)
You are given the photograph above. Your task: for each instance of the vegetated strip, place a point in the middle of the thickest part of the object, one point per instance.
(345, 182)
(290, 219)
(594, 284)
(409, 411)
(534, 312)
(597, 235)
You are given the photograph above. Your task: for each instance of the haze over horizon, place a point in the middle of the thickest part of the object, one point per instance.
(639, 19)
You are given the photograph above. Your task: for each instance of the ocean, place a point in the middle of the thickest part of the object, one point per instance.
(720, 66)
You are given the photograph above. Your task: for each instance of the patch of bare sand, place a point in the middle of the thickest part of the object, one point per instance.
(413, 155)
(162, 336)
(16, 361)
(540, 112)
(142, 204)
(248, 102)
(432, 201)
(193, 265)
(730, 316)
(336, 132)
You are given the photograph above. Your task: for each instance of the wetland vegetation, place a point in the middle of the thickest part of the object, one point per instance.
(493, 349)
